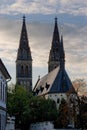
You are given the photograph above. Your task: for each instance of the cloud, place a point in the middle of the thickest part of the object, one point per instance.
(40, 38)
(75, 7)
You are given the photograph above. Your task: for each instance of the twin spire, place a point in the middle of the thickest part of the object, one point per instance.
(56, 37)
(24, 37)
(24, 49)
(57, 56)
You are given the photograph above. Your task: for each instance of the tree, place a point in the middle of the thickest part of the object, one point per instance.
(62, 117)
(42, 109)
(80, 86)
(17, 105)
(28, 109)
(83, 108)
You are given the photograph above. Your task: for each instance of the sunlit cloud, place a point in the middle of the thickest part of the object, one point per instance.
(40, 33)
(75, 7)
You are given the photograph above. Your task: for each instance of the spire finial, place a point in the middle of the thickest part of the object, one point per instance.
(56, 19)
(23, 18)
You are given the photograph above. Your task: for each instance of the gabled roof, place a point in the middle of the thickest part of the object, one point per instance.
(4, 70)
(57, 81)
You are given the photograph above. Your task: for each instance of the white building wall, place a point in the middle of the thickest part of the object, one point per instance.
(10, 123)
(2, 102)
(57, 97)
(45, 126)
(42, 126)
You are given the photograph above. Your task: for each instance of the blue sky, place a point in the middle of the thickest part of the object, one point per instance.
(40, 14)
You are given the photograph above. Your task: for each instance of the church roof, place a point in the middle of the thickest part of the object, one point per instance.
(57, 81)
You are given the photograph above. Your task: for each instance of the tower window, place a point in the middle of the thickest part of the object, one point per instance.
(22, 70)
(26, 70)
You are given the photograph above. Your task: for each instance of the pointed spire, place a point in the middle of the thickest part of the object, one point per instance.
(24, 38)
(62, 54)
(56, 37)
(24, 19)
(54, 56)
(24, 44)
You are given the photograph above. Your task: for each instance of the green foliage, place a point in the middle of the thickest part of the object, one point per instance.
(17, 104)
(28, 108)
(42, 109)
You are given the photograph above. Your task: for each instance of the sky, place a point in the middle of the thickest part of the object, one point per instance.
(40, 14)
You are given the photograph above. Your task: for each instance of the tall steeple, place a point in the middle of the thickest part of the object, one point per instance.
(24, 60)
(24, 49)
(62, 54)
(54, 56)
(56, 37)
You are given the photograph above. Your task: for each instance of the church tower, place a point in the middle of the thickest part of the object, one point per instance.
(54, 56)
(24, 60)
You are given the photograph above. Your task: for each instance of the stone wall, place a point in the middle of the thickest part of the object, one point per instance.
(45, 126)
(10, 123)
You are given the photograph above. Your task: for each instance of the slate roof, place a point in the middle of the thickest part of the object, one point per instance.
(57, 81)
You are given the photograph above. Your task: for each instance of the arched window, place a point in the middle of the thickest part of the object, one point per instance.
(22, 70)
(26, 71)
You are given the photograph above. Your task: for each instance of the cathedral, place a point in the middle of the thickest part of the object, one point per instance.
(57, 80)
(55, 85)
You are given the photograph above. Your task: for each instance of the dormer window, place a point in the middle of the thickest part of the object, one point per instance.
(37, 91)
(47, 86)
(41, 88)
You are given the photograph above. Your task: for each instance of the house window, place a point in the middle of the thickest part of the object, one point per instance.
(28, 83)
(3, 92)
(41, 88)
